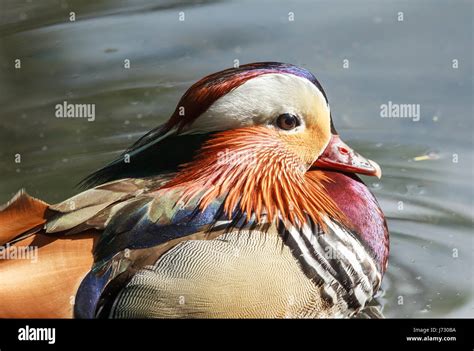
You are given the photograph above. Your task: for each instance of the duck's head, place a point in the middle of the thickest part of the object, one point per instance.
(266, 124)
(271, 123)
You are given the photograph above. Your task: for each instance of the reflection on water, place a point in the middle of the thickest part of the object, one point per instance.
(427, 199)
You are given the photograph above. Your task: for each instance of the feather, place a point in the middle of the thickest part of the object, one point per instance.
(45, 287)
(63, 222)
(102, 285)
(272, 186)
(21, 214)
(94, 207)
(151, 220)
(155, 153)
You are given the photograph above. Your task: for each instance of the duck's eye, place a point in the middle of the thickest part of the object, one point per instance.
(287, 121)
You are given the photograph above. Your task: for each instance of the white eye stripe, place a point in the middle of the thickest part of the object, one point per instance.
(260, 100)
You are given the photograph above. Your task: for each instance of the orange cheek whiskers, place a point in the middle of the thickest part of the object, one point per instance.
(268, 184)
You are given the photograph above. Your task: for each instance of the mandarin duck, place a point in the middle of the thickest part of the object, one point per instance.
(245, 203)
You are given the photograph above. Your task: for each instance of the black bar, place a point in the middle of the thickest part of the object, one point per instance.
(389, 334)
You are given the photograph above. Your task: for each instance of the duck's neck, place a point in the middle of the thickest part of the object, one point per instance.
(362, 211)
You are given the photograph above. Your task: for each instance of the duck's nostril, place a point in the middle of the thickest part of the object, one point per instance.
(343, 150)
